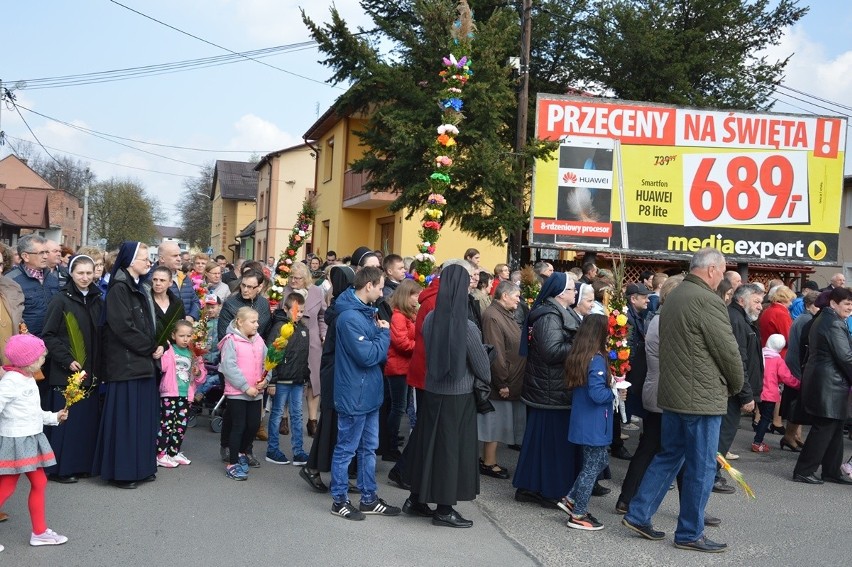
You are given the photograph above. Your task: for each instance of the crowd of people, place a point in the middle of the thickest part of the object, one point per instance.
(466, 360)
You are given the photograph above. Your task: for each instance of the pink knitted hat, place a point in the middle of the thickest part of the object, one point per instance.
(24, 350)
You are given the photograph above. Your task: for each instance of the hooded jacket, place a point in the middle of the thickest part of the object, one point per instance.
(294, 369)
(552, 332)
(361, 348)
(242, 363)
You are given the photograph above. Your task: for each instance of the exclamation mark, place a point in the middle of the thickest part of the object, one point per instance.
(827, 138)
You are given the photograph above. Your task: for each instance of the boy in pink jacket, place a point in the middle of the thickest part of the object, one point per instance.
(182, 372)
(775, 370)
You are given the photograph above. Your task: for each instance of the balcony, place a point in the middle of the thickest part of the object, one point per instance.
(354, 196)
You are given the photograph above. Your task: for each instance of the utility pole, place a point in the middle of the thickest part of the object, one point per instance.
(516, 238)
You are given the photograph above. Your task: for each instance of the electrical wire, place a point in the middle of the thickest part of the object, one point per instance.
(222, 47)
(24, 120)
(832, 110)
(107, 162)
(94, 132)
(825, 100)
(157, 69)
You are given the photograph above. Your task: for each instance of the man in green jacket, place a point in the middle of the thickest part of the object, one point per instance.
(700, 367)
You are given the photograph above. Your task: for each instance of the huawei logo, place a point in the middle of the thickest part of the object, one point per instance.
(569, 177)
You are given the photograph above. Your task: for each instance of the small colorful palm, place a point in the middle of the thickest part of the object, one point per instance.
(736, 475)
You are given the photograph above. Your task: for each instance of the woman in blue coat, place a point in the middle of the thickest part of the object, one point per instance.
(587, 373)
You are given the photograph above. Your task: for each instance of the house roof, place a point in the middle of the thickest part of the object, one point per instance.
(14, 173)
(24, 208)
(272, 155)
(248, 230)
(237, 180)
(168, 231)
(323, 124)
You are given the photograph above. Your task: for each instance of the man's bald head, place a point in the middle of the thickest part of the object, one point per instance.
(169, 255)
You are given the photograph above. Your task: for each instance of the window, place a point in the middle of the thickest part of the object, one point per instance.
(328, 160)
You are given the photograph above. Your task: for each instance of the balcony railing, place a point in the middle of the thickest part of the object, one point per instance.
(354, 196)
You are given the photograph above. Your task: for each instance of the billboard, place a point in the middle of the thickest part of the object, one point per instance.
(668, 181)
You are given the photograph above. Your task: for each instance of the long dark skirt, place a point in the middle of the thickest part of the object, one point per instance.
(325, 439)
(548, 463)
(74, 440)
(444, 466)
(127, 438)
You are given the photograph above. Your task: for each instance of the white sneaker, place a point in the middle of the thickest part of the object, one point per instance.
(630, 427)
(165, 461)
(2, 548)
(181, 459)
(49, 537)
(731, 456)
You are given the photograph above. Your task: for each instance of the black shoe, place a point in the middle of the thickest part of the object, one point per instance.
(252, 461)
(70, 479)
(313, 479)
(600, 490)
(837, 479)
(621, 453)
(702, 544)
(128, 484)
(712, 521)
(522, 495)
(495, 470)
(648, 532)
(777, 430)
(225, 454)
(396, 477)
(721, 487)
(392, 456)
(792, 446)
(417, 509)
(514, 447)
(451, 520)
(809, 479)
(620, 508)
(149, 478)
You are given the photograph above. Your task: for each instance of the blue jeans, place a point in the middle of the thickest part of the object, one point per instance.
(210, 382)
(355, 433)
(284, 393)
(689, 441)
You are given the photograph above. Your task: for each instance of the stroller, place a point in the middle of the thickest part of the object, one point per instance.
(212, 403)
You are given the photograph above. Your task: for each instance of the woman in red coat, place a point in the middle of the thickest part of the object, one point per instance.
(776, 320)
(404, 304)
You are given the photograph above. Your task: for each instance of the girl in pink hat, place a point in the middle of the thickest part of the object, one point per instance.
(24, 449)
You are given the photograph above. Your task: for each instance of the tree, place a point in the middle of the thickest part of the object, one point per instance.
(63, 172)
(697, 52)
(398, 93)
(196, 208)
(119, 209)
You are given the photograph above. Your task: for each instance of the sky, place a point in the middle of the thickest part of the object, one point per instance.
(247, 108)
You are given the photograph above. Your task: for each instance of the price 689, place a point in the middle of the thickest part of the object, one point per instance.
(758, 188)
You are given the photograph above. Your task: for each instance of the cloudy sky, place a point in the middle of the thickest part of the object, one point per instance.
(247, 107)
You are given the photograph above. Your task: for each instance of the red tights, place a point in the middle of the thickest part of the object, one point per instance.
(38, 483)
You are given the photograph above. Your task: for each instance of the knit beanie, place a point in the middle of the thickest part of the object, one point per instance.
(24, 350)
(776, 342)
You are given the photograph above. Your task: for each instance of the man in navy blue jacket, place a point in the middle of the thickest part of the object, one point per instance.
(361, 348)
(169, 256)
(37, 281)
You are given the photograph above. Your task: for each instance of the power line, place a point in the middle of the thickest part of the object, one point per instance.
(107, 162)
(222, 47)
(832, 110)
(93, 132)
(825, 100)
(157, 69)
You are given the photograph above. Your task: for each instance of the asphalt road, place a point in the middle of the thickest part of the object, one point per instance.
(194, 515)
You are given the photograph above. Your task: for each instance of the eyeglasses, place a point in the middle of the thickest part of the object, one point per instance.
(297, 278)
(247, 286)
(42, 253)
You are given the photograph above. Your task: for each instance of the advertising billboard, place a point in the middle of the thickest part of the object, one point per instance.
(667, 181)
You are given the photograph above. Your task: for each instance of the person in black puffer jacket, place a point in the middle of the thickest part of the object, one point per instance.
(548, 464)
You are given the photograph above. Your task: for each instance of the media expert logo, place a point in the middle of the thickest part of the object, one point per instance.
(816, 249)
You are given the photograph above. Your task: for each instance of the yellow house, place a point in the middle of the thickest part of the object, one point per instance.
(284, 179)
(347, 217)
(234, 193)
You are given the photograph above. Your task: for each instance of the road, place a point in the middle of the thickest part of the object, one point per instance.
(194, 515)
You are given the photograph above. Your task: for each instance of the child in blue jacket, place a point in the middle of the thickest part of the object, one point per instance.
(587, 373)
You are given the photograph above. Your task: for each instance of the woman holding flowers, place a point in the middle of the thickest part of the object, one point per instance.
(73, 339)
(168, 307)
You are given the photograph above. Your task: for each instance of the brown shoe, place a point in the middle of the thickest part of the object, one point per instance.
(284, 428)
(262, 434)
(312, 427)
(3, 516)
